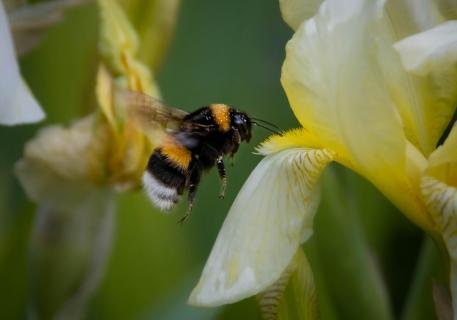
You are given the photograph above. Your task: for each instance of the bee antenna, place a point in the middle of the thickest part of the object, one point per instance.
(266, 122)
(266, 128)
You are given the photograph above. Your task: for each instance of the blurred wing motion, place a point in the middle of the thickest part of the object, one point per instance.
(149, 113)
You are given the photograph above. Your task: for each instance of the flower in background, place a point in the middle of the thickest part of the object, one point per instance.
(73, 172)
(17, 104)
(374, 86)
(30, 21)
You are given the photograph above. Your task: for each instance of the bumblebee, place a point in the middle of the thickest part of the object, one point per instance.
(190, 144)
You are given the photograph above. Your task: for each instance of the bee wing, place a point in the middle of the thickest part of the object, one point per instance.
(149, 113)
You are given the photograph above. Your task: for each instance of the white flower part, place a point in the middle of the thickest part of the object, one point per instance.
(441, 200)
(54, 170)
(294, 12)
(408, 17)
(425, 13)
(271, 216)
(17, 105)
(431, 50)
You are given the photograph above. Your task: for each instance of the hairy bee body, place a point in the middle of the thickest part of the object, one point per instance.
(199, 143)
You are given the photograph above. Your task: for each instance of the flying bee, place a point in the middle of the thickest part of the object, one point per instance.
(187, 144)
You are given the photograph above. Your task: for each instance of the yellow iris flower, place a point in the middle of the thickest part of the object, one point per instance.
(374, 86)
(102, 150)
(73, 172)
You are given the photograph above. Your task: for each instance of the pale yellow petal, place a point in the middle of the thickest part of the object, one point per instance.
(104, 92)
(119, 47)
(332, 79)
(294, 12)
(293, 296)
(272, 214)
(431, 59)
(424, 101)
(443, 161)
(441, 200)
(59, 161)
(430, 51)
(409, 17)
(118, 40)
(342, 81)
(412, 16)
(439, 190)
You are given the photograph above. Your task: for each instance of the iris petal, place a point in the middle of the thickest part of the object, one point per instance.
(17, 104)
(332, 79)
(56, 164)
(431, 58)
(439, 189)
(271, 216)
(431, 50)
(341, 81)
(294, 12)
(442, 202)
(412, 16)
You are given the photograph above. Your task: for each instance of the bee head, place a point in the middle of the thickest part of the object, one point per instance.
(243, 124)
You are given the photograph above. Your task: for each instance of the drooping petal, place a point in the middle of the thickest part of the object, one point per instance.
(439, 189)
(294, 12)
(342, 81)
(17, 104)
(271, 216)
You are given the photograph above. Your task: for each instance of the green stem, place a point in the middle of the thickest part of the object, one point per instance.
(348, 267)
(419, 303)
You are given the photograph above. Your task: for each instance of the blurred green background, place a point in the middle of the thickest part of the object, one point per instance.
(223, 51)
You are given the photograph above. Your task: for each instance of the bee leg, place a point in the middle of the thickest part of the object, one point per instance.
(222, 176)
(236, 140)
(193, 184)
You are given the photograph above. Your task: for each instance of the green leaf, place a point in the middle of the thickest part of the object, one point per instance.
(344, 262)
(419, 303)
